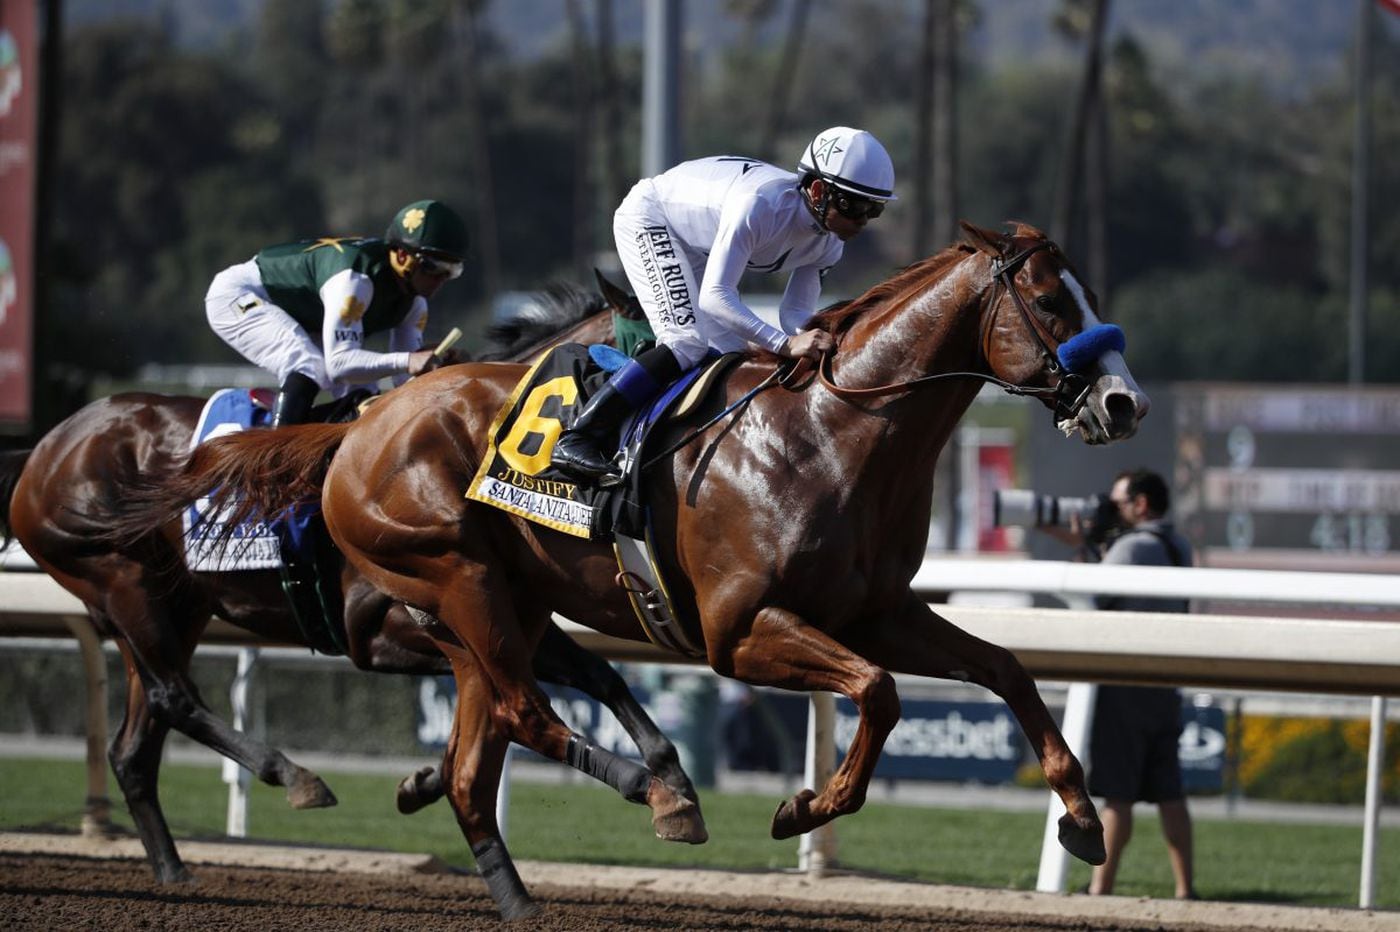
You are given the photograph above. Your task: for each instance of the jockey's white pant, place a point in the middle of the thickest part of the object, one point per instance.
(243, 316)
(664, 278)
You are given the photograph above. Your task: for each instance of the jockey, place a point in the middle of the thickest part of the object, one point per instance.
(302, 310)
(688, 235)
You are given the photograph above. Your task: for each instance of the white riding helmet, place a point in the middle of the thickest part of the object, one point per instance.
(852, 160)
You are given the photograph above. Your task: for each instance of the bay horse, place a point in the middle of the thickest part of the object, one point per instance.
(788, 531)
(141, 595)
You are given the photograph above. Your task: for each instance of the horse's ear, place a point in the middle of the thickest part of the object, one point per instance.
(617, 298)
(988, 241)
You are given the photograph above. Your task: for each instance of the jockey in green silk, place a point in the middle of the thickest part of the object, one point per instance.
(303, 310)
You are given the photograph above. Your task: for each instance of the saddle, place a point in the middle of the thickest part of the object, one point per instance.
(515, 475)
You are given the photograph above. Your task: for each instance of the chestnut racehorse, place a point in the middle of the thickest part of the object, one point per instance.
(788, 531)
(141, 595)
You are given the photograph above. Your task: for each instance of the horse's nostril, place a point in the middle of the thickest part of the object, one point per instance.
(1123, 410)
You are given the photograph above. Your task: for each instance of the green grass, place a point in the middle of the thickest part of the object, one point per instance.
(1297, 864)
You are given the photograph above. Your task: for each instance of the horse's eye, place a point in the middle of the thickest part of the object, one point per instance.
(1046, 302)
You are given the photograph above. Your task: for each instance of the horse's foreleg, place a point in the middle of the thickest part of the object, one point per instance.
(471, 769)
(783, 650)
(559, 659)
(920, 642)
(135, 756)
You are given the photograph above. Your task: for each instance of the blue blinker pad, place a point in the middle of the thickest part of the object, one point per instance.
(1082, 350)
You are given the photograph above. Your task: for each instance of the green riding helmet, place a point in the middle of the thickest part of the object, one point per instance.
(430, 226)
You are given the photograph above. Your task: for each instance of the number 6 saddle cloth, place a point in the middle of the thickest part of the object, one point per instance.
(515, 474)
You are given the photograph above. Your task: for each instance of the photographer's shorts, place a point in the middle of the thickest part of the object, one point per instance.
(1134, 750)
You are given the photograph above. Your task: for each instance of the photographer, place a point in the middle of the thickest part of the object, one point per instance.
(1133, 751)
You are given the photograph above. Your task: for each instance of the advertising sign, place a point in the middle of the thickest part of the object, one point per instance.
(962, 741)
(19, 73)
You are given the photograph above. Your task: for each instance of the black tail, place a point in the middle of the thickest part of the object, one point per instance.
(11, 465)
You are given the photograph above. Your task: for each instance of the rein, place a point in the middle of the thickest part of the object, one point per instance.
(768, 382)
(1070, 391)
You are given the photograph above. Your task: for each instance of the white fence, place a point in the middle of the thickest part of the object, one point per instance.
(1314, 655)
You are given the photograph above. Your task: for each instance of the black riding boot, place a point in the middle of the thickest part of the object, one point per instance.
(294, 400)
(585, 449)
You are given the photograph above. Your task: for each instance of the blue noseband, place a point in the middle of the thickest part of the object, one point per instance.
(1080, 352)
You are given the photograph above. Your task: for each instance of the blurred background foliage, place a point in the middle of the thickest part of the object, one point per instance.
(191, 135)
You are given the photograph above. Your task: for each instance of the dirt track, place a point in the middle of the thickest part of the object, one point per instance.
(46, 884)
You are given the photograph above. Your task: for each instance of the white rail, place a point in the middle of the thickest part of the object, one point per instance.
(1315, 655)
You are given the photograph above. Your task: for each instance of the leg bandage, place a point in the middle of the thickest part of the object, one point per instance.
(628, 778)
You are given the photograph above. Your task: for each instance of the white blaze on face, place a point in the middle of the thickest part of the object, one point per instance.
(1111, 362)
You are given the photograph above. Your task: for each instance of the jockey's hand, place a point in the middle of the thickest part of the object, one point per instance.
(809, 343)
(425, 360)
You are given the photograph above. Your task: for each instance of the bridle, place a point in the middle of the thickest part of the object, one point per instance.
(1068, 394)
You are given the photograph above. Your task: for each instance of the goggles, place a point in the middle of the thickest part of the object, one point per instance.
(439, 266)
(854, 207)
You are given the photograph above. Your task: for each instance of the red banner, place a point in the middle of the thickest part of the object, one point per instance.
(19, 86)
(996, 469)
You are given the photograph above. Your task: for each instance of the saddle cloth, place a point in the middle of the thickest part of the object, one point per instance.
(515, 475)
(256, 545)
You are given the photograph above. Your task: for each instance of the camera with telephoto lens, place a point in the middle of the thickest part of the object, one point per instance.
(1098, 516)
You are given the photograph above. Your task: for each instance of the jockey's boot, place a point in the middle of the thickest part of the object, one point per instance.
(294, 400)
(585, 450)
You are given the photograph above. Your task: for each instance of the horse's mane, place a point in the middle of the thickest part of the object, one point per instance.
(557, 307)
(898, 287)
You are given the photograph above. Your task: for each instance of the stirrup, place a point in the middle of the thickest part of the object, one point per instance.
(604, 480)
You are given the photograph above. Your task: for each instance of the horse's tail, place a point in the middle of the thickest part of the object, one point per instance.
(11, 465)
(249, 475)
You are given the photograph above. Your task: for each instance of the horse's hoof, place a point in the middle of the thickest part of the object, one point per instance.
(1084, 842)
(310, 792)
(519, 908)
(179, 876)
(412, 795)
(794, 816)
(674, 817)
(681, 824)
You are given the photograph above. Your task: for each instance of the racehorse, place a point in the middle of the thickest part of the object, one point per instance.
(788, 530)
(142, 596)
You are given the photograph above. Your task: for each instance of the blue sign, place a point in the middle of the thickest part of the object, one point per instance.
(1202, 748)
(437, 700)
(978, 741)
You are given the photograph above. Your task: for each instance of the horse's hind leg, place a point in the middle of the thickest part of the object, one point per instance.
(921, 642)
(559, 659)
(472, 767)
(476, 605)
(135, 756)
(160, 652)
